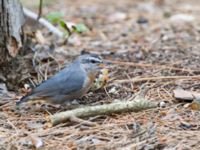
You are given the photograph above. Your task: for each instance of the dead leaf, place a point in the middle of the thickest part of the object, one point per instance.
(36, 141)
(71, 144)
(39, 37)
(13, 46)
(163, 113)
(101, 80)
(194, 106)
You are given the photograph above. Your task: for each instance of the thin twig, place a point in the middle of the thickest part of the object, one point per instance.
(152, 66)
(156, 78)
(40, 10)
(81, 121)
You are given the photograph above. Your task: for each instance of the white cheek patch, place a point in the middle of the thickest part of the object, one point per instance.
(97, 60)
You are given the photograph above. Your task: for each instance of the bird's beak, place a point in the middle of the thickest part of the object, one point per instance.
(107, 62)
(102, 65)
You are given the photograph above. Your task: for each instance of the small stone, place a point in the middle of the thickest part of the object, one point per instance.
(27, 86)
(162, 104)
(113, 90)
(3, 89)
(182, 17)
(117, 17)
(142, 20)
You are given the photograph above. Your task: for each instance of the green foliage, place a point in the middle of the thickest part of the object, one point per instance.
(63, 24)
(55, 17)
(167, 14)
(79, 28)
(71, 28)
(68, 27)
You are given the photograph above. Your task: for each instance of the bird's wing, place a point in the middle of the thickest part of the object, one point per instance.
(65, 82)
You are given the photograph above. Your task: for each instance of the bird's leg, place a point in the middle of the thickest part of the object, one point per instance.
(54, 106)
(81, 121)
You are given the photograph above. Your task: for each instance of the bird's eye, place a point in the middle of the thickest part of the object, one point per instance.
(93, 61)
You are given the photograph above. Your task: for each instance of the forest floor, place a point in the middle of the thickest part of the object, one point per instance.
(160, 39)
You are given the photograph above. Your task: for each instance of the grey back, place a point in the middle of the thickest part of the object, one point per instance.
(67, 81)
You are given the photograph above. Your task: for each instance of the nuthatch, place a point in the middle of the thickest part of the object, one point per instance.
(70, 83)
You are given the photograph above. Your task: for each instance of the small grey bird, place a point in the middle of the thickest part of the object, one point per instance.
(70, 83)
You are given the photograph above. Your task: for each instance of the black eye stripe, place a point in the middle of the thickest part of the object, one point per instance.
(93, 60)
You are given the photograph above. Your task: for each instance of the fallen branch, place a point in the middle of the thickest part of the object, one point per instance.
(88, 111)
(28, 13)
(156, 78)
(153, 66)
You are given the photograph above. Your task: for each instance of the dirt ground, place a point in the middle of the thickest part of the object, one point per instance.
(159, 37)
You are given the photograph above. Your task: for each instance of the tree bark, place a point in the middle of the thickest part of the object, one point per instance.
(11, 21)
(88, 111)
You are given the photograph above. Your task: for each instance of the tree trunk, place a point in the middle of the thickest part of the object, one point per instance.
(11, 22)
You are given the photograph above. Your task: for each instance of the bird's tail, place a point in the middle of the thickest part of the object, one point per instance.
(23, 99)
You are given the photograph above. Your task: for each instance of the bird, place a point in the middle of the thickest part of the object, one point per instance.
(71, 83)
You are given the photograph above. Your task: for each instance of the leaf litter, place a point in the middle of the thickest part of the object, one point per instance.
(155, 43)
